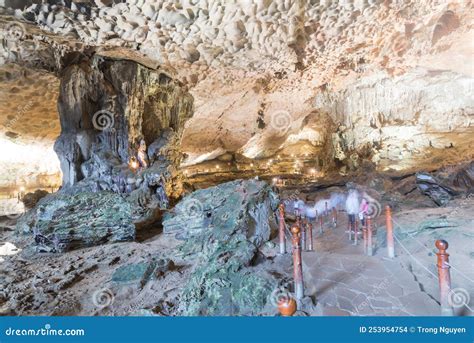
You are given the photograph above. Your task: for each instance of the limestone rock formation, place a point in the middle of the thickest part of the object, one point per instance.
(107, 105)
(246, 205)
(292, 72)
(63, 222)
(447, 182)
(31, 199)
(223, 226)
(227, 90)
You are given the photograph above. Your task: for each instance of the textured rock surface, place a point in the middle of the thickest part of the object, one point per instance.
(63, 222)
(115, 279)
(217, 211)
(29, 62)
(284, 86)
(112, 105)
(317, 81)
(28, 113)
(31, 199)
(107, 106)
(141, 273)
(223, 227)
(446, 183)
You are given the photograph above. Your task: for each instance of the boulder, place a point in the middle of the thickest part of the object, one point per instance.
(222, 228)
(447, 182)
(430, 186)
(31, 199)
(61, 222)
(242, 205)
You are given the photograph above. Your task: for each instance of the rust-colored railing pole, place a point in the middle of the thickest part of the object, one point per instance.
(390, 245)
(334, 217)
(444, 277)
(349, 228)
(287, 307)
(298, 221)
(364, 237)
(356, 232)
(370, 251)
(303, 233)
(282, 229)
(297, 265)
(309, 228)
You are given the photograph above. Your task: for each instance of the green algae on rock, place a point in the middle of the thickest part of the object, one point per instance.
(62, 222)
(222, 228)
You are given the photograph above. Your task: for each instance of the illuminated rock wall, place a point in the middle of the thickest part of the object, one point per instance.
(109, 106)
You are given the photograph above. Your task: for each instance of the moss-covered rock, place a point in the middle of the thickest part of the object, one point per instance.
(62, 222)
(222, 227)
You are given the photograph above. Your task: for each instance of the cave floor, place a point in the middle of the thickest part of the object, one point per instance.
(339, 278)
(343, 281)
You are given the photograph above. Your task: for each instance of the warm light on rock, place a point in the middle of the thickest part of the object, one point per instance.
(133, 164)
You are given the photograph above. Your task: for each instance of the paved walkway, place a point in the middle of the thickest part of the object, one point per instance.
(344, 281)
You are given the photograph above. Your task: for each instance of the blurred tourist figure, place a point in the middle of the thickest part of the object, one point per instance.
(352, 207)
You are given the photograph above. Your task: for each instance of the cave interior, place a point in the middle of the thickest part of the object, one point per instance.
(171, 158)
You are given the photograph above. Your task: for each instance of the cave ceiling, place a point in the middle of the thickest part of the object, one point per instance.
(387, 81)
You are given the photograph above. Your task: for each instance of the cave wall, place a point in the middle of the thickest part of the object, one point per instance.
(110, 105)
(422, 118)
(108, 102)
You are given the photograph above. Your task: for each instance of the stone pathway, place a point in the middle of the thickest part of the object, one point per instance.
(344, 281)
